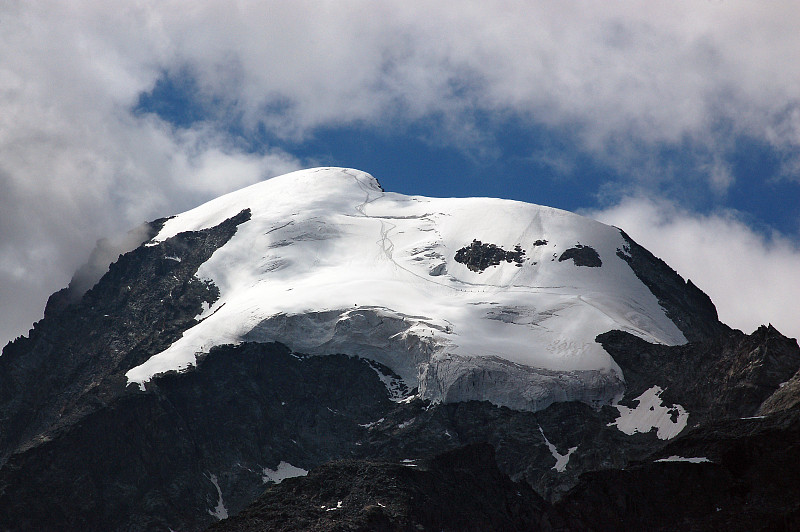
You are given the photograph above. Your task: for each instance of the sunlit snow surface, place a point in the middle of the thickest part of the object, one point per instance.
(329, 263)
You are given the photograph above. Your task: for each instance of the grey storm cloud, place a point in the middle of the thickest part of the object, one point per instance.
(78, 164)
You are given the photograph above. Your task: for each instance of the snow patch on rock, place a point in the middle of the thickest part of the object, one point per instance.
(650, 414)
(281, 472)
(372, 423)
(693, 460)
(561, 459)
(397, 388)
(219, 511)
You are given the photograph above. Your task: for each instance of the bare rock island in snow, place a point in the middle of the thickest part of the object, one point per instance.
(457, 296)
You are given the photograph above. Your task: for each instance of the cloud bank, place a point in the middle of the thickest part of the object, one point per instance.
(78, 163)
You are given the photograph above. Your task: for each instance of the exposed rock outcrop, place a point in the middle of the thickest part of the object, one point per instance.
(478, 256)
(461, 490)
(144, 460)
(139, 307)
(727, 376)
(582, 256)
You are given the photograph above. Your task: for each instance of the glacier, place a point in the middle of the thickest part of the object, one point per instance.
(329, 262)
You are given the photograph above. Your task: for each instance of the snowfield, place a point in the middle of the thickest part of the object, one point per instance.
(330, 263)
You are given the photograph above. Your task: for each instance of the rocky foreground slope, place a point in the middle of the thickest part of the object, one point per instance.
(317, 318)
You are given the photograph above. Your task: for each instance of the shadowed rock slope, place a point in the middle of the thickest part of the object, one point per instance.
(461, 490)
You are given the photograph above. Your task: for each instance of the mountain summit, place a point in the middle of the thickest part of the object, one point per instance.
(465, 299)
(315, 317)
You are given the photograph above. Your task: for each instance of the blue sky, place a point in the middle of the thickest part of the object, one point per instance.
(679, 122)
(416, 157)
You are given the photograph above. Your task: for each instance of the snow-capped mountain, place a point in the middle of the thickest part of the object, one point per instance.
(315, 317)
(465, 299)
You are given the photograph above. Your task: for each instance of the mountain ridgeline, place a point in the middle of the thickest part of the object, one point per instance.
(313, 352)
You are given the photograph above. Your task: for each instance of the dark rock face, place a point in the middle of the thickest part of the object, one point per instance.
(685, 304)
(727, 376)
(479, 256)
(582, 256)
(72, 358)
(251, 406)
(144, 461)
(518, 437)
(749, 484)
(461, 490)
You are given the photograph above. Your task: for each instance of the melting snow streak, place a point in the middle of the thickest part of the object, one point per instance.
(220, 512)
(561, 459)
(675, 458)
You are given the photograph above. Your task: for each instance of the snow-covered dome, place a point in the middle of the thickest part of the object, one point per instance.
(472, 298)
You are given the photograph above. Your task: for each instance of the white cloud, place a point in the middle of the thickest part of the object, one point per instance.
(76, 165)
(751, 278)
(658, 70)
